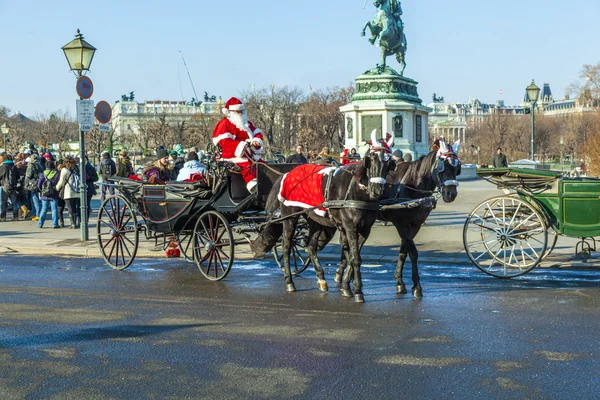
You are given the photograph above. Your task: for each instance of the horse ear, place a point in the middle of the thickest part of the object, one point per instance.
(456, 147)
(390, 139)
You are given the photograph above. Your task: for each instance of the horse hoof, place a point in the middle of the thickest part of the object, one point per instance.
(337, 277)
(359, 298)
(289, 287)
(323, 286)
(346, 292)
(401, 289)
(417, 292)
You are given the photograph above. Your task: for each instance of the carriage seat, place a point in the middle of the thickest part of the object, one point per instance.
(199, 189)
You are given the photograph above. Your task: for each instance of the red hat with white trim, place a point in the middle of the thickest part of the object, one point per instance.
(233, 104)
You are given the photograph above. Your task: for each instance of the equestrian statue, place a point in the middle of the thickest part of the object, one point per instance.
(387, 26)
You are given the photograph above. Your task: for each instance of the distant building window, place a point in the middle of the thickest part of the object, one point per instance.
(418, 130)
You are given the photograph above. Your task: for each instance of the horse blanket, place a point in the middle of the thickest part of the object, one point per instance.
(303, 187)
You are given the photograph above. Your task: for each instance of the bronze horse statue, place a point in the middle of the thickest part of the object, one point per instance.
(387, 26)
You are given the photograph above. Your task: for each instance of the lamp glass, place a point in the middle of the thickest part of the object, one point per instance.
(533, 92)
(4, 128)
(79, 53)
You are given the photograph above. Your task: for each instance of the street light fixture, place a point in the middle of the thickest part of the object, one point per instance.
(532, 95)
(79, 54)
(5, 129)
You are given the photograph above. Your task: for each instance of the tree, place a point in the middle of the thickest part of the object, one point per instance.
(58, 127)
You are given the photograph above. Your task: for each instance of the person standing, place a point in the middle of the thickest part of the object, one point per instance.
(32, 176)
(107, 169)
(49, 194)
(240, 141)
(9, 180)
(91, 177)
(67, 184)
(500, 160)
(124, 169)
(298, 157)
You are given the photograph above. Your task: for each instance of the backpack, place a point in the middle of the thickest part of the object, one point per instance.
(91, 173)
(74, 181)
(106, 168)
(48, 186)
(11, 179)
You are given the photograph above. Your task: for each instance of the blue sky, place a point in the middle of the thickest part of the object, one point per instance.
(459, 50)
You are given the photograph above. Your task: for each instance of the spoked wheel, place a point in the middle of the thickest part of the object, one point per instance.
(118, 236)
(505, 237)
(298, 262)
(213, 245)
(185, 239)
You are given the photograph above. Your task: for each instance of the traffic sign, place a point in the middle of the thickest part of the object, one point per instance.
(85, 112)
(104, 128)
(84, 87)
(103, 112)
(85, 127)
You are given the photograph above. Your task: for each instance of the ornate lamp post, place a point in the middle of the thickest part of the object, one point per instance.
(5, 129)
(532, 95)
(79, 54)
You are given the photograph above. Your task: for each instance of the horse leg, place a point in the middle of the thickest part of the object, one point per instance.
(289, 229)
(400, 286)
(417, 291)
(367, 25)
(347, 273)
(311, 249)
(355, 262)
(339, 275)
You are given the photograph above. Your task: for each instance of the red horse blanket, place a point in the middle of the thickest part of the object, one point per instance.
(303, 187)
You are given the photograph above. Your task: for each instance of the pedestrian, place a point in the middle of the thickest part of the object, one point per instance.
(9, 179)
(354, 156)
(323, 158)
(61, 201)
(124, 168)
(176, 162)
(397, 156)
(107, 169)
(298, 157)
(499, 160)
(32, 176)
(49, 195)
(192, 169)
(22, 193)
(68, 186)
(91, 177)
(345, 159)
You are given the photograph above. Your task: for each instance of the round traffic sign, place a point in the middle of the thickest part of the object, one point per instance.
(103, 112)
(84, 87)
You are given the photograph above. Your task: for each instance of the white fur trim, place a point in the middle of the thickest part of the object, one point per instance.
(242, 128)
(222, 136)
(250, 185)
(235, 160)
(237, 107)
(239, 150)
(225, 111)
(381, 181)
(326, 170)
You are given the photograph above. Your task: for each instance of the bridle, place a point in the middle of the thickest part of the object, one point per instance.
(440, 165)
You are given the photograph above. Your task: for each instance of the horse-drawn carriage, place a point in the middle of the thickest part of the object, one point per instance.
(198, 217)
(508, 236)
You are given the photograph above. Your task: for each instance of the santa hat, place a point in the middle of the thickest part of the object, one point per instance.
(233, 104)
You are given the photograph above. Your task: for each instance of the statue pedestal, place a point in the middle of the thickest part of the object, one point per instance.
(386, 101)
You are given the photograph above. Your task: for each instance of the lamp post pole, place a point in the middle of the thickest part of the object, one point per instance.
(532, 129)
(79, 54)
(532, 95)
(562, 162)
(4, 129)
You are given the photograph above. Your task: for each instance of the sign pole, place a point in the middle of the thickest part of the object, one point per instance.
(84, 89)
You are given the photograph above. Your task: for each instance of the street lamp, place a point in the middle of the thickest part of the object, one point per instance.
(532, 95)
(79, 54)
(562, 163)
(5, 129)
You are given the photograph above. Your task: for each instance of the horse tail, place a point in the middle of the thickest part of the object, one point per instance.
(273, 199)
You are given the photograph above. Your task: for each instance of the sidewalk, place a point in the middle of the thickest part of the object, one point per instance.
(439, 241)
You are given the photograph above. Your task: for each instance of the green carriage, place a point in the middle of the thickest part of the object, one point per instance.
(509, 235)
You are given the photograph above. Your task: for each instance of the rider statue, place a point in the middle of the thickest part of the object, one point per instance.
(388, 28)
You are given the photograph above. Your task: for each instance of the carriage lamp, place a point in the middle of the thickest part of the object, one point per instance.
(532, 95)
(79, 54)
(5, 129)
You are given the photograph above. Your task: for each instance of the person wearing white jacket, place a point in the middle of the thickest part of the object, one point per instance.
(191, 166)
(70, 196)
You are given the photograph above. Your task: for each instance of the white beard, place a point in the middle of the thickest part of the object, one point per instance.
(240, 121)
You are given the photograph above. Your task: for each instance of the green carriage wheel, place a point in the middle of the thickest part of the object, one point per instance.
(213, 245)
(117, 231)
(505, 237)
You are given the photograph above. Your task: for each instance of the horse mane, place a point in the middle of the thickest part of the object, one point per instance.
(416, 173)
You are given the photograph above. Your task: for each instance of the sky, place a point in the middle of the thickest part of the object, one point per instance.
(459, 50)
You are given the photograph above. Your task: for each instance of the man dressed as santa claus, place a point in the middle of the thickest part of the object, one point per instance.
(241, 143)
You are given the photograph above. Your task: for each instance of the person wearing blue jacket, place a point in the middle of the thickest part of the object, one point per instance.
(49, 199)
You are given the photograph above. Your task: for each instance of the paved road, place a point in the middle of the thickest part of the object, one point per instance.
(74, 329)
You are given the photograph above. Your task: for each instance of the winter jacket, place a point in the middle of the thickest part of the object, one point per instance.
(108, 167)
(500, 161)
(125, 169)
(155, 173)
(91, 176)
(296, 159)
(64, 182)
(55, 178)
(32, 175)
(9, 176)
(189, 168)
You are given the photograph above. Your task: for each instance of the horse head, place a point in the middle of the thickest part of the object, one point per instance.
(446, 169)
(375, 166)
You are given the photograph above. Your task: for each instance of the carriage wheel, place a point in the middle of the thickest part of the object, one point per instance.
(185, 240)
(505, 237)
(213, 245)
(298, 262)
(118, 236)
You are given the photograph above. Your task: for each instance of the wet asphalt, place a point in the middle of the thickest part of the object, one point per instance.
(75, 329)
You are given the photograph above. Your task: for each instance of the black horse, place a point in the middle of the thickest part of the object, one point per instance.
(414, 180)
(355, 190)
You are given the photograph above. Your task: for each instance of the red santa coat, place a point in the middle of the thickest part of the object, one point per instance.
(232, 140)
